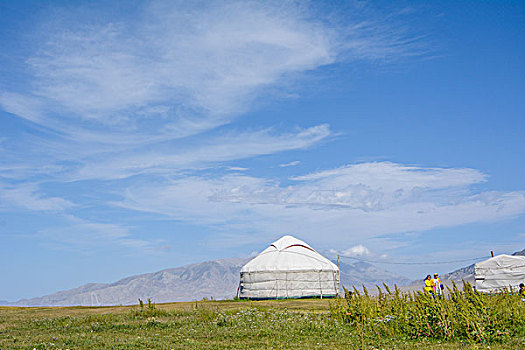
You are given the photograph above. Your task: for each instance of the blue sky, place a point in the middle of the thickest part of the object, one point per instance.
(137, 136)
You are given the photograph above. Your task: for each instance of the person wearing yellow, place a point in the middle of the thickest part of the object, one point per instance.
(522, 291)
(429, 285)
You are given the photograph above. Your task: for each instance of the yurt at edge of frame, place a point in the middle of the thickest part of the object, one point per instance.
(499, 273)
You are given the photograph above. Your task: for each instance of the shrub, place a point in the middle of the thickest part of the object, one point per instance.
(461, 314)
(150, 310)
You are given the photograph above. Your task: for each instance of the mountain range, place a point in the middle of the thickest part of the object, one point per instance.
(217, 279)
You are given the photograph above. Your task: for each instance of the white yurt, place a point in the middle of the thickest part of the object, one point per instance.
(289, 268)
(499, 272)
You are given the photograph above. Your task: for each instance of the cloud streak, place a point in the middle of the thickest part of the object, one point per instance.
(224, 148)
(30, 197)
(293, 163)
(346, 204)
(148, 99)
(86, 236)
(179, 69)
(176, 71)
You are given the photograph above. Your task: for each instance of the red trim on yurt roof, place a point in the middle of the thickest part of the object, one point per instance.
(293, 245)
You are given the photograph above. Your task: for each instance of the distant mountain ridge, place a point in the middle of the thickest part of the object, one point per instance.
(361, 273)
(520, 253)
(216, 279)
(465, 273)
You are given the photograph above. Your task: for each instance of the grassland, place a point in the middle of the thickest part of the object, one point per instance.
(284, 324)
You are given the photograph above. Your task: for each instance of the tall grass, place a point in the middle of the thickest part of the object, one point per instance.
(460, 315)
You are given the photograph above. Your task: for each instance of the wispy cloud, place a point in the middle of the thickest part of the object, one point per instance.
(294, 163)
(346, 204)
(113, 97)
(236, 168)
(86, 236)
(30, 197)
(366, 186)
(175, 71)
(224, 148)
(151, 94)
(179, 69)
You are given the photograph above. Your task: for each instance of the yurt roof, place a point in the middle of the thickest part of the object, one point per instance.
(289, 254)
(501, 261)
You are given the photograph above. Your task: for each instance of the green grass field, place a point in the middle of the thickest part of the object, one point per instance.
(282, 324)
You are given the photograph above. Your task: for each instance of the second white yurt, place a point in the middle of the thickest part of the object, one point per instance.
(289, 268)
(500, 272)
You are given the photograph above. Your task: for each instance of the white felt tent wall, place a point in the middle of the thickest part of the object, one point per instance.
(289, 268)
(500, 272)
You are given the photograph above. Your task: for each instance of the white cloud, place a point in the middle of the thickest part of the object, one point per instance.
(390, 175)
(355, 251)
(181, 68)
(175, 71)
(29, 196)
(294, 163)
(236, 168)
(71, 231)
(27, 107)
(366, 186)
(84, 235)
(112, 98)
(358, 250)
(342, 205)
(229, 147)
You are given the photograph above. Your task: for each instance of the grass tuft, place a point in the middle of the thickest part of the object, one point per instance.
(461, 315)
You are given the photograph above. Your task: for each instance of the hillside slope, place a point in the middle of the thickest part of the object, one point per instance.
(218, 279)
(361, 273)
